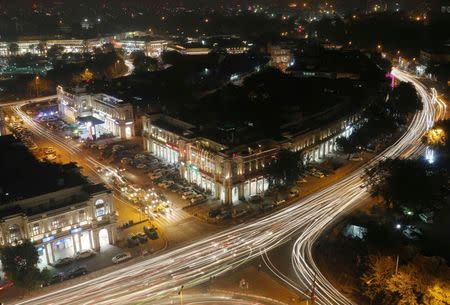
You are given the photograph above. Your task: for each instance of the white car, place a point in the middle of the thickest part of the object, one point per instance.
(50, 157)
(84, 254)
(121, 257)
(49, 151)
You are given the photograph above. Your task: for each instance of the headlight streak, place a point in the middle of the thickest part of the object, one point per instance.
(307, 217)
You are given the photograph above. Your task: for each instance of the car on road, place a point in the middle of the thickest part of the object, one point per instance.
(121, 257)
(54, 279)
(63, 262)
(84, 254)
(5, 284)
(76, 272)
(293, 193)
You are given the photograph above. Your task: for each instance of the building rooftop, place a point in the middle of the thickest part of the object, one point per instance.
(108, 99)
(23, 176)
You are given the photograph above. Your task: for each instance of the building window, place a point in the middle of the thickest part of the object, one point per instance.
(35, 230)
(14, 233)
(81, 215)
(100, 208)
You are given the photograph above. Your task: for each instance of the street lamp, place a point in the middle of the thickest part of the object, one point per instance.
(36, 82)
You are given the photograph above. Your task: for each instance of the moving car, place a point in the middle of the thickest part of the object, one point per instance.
(77, 271)
(121, 257)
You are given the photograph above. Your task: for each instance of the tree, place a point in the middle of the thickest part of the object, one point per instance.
(379, 270)
(346, 145)
(13, 48)
(55, 52)
(286, 168)
(404, 101)
(409, 183)
(20, 265)
(41, 47)
(144, 63)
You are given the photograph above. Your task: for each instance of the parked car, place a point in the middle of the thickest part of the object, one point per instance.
(50, 157)
(133, 240)
(356, 158)
(427, 217)
(154, 176)
(410, 234)
(151, 232)
(76, 272)
(142, 237)
(279, 202)
(293, 193)
(54, 279)
(121, 257)
(63, 262)
(84, 254)
(141, 166)
(213, 213)
(301, 180)
(49, 150)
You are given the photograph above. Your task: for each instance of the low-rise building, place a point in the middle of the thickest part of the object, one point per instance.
(97, 114)
(231, 173)
(61, 214)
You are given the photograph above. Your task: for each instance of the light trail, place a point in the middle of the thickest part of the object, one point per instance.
(157, 277)
(303, 262)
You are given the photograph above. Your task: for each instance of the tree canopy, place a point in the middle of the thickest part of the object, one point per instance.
(286, 168)
(20, 265)
(410, 183)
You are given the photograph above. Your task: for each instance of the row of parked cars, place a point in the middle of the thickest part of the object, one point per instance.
(62, 276)
(23, 134)
(69, 260)
(142, 237)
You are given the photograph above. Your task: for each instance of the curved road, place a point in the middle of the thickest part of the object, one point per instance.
(157, 277)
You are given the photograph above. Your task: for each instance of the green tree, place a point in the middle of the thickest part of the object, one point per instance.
(409, 183)
(20, 265)
(144, 63)
(404, 101)
(13, 48)
(286, 168)
(346, 145)
(55, 52)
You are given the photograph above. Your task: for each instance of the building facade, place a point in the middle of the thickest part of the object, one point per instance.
(233, 173)
(61, 223)
(98, 113)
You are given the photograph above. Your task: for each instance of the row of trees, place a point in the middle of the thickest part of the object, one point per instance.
(382, 117)
(285, 169)
(422, 280)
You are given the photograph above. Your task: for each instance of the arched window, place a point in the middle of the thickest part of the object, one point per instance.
(100, 208)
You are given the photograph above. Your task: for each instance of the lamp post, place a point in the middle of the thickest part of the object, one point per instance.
(36, 83)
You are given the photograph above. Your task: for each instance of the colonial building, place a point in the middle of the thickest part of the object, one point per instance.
(232, 173)
(61, 214)
(97, 113)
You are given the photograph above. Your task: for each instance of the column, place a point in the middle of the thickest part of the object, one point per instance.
(47, 257)
(91, 243)
(75, 248)
(51, 251)
(79, 241)
(96, 240)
